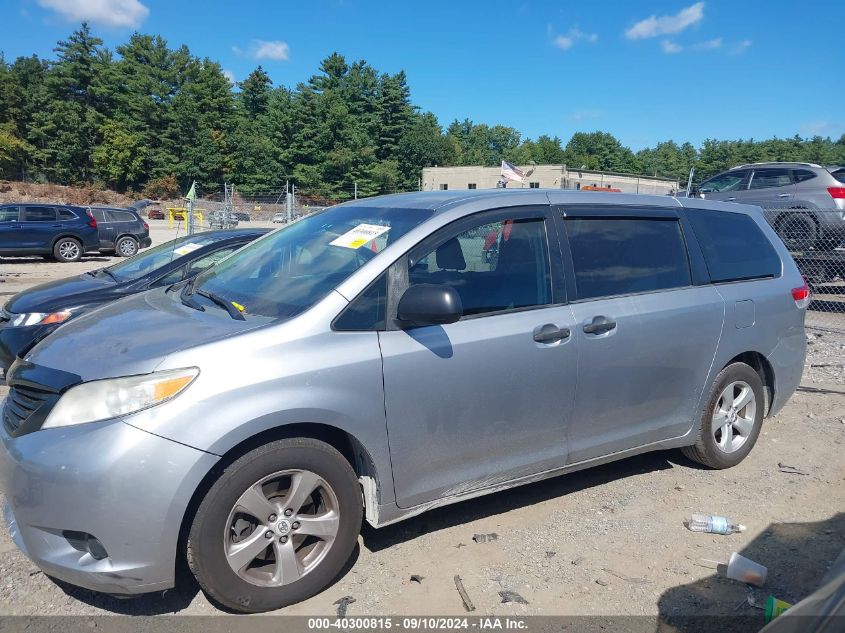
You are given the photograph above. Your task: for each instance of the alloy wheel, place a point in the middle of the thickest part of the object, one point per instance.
(281, 528)
(733, 416)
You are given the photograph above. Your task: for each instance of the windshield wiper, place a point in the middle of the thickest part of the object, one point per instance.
(106, 271)
(227, 305)
(185, 296)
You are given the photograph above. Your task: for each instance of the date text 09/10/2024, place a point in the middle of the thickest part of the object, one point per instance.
(418, 623)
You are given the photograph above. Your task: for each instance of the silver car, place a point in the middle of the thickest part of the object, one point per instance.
(806, 201)
(374, 361)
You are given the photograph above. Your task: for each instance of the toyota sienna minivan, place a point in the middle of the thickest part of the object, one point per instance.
(372, 362)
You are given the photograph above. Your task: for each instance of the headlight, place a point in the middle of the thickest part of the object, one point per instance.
(40, 318)
(104, 399)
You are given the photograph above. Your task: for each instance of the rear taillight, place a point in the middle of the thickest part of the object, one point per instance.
(92, 222)
(146, 226)
(837, 193)
(801, 296)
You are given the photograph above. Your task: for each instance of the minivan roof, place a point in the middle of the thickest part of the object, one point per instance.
(439, 200)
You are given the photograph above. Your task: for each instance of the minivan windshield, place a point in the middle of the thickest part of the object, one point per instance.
(289, 270)
(154, 258)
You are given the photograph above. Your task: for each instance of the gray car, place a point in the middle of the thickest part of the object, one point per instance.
(371, 362)
(806, 202)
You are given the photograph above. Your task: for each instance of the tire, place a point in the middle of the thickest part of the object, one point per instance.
(715, 448)
(67, 249)
(798, 231)
(225, 535)
(126, 246)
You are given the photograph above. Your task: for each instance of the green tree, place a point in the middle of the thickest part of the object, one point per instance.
(599, 150)
(120, 157)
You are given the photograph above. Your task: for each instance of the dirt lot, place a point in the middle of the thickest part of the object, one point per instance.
(607, 541)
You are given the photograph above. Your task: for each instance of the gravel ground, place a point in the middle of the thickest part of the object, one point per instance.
(607, 541)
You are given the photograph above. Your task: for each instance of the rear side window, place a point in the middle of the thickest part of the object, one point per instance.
(734, 246)
(120, 216)
(366, 312)
(40, 214)
(839, 174)
(800, 175)
(768, 178)
(618, 256)
(66, 214)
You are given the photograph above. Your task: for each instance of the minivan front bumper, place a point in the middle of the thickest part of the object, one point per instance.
(125, 487)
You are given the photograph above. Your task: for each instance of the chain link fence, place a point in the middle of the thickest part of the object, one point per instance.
(816, 240)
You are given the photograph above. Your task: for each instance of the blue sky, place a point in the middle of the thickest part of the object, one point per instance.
(645, 71)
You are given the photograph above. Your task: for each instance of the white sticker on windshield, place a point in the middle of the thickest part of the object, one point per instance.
(190, 247)
(360, 235)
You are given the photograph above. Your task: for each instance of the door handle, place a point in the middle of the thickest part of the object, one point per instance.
(599, 325)
(730, 199)
(549, 333)
(56, 226)
(783, 195)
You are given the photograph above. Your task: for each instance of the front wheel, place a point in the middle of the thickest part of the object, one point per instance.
(276, 527)
(731, 420)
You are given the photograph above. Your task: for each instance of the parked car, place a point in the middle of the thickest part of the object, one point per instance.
(31, 315)
(121, 231)
(808, 199)
(242, 216)
(155, 214)
(280, 218)
(62, 231)
(240, 420)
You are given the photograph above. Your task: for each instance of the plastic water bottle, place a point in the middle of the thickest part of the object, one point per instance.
(713, 524)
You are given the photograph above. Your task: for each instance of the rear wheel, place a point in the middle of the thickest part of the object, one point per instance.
(276, 527)
(798, 231)
(731, 420)
(126, 246)
(67, 249)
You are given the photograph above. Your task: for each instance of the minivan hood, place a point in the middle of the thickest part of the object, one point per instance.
(134, 335)
(60, 294)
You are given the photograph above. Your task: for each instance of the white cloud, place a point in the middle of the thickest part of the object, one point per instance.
(669, 47)
(117, 13)
(741, 47)
(585, 115)
(708, 45)
(565, 42)
(276, 50)
(228, 74)
(820, 128)
(265, 49)
(653, 25)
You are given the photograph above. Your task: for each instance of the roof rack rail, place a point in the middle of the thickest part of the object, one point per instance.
(781, 162)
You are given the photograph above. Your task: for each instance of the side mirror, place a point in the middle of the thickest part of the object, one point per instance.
(430, 304)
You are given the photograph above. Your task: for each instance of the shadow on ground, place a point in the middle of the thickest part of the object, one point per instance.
(797, 556)
(166, 602)
(519, 497)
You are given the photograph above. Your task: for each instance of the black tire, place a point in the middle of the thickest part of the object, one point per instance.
(798, 231)
(706, 450)
(67, 249)
(126, 246)
(205, 547)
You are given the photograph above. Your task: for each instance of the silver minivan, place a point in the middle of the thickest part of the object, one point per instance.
(381, 358)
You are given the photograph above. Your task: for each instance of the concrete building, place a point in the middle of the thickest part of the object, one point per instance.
(544, 177)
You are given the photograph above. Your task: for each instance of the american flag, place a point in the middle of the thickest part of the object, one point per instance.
(512, 172)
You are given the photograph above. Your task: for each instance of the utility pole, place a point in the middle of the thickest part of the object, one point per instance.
(288, 202)
(356, 191)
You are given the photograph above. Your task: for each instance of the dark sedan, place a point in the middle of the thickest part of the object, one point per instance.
(31, 315)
